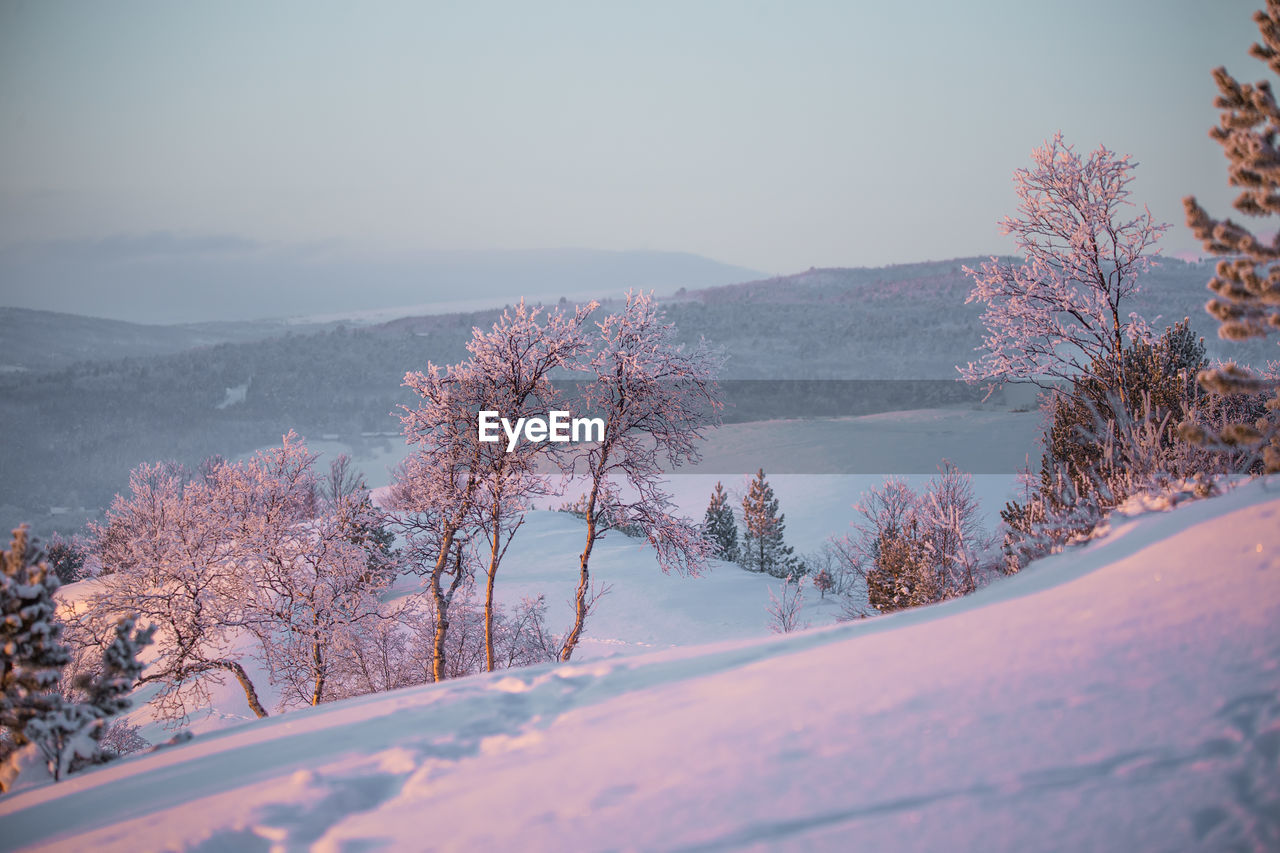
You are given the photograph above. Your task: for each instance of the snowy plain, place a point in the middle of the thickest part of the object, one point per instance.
(1123, 695)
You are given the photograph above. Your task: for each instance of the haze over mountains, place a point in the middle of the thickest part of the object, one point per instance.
(169, 278)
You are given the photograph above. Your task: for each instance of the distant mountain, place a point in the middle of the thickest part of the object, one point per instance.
(165, 278)
(908, 321)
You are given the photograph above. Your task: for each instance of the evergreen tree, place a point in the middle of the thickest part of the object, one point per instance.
(902, 576)
(69, 734)
(365, 526)
(763, 548)
(1246, 282)
(31, 652)
(65, 558)
(107, 691)
(1160, 373)
(721, 526)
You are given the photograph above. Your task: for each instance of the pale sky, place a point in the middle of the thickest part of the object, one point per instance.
(774, 136)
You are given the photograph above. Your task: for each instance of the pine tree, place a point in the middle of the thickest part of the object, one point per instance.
(363, 525)
(108, 690)
(902, 576)
(32, 656)
(31, 652)
(69, 734)
(1246, 282)
(763, 548)
(65, 558)
(1159, 373)
(721, 526)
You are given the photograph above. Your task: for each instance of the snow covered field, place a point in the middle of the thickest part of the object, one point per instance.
(1121, 696)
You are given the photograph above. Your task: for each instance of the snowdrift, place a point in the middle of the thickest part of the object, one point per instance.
(1124, 695)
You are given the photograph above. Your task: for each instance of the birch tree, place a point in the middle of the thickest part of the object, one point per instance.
(456, 488)
(518, 356)
(166, 555)
(656, 398)
(310, 606)
(1062, 308)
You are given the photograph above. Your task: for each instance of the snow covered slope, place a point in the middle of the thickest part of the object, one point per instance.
(1122, 696)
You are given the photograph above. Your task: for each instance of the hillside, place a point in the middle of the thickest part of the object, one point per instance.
(908, 321)
(1121, 695)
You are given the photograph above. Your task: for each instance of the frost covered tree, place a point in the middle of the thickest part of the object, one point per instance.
(34, 713)
(519, 355)
(1246, 282)
(1063, 307)
(952, 521)
(252, 559)
(31, 651)
(785, 606)
(721, 526)
(456, 488)
(307, 604)
(763, 546)
(70, 735)
(656, 398)
(181, 551)
(913, 549)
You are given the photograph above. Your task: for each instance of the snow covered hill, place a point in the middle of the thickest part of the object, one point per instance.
(1122, 696)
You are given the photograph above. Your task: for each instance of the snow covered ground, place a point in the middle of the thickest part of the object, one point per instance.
(1121, 696)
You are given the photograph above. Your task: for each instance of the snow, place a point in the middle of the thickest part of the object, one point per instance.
(1121, 695)
(234, 396)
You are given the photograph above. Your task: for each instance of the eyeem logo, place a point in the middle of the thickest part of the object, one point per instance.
(556, 427)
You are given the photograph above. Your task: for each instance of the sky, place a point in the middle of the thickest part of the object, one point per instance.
(770, 136)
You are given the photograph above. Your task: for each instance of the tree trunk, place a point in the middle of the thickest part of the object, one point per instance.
(442, 604)
(488, 592)
(250, 693)
(317, 660)
(584, 578)
(1118, 357)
